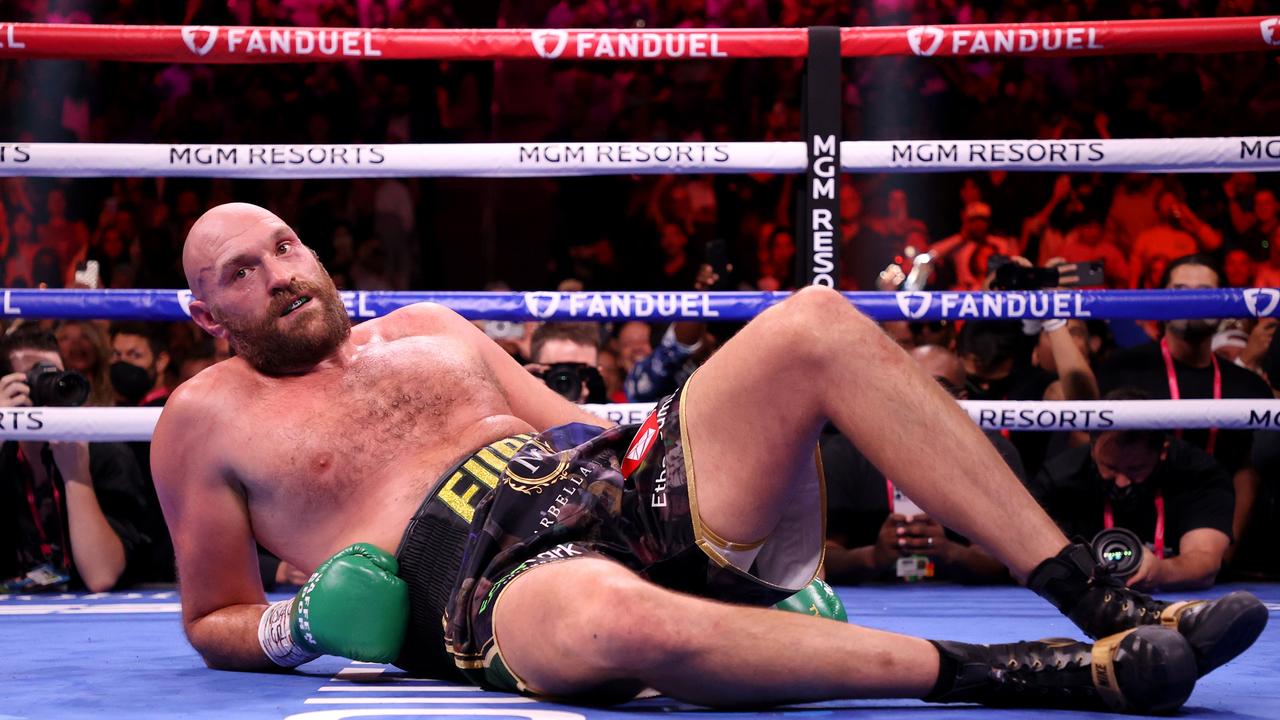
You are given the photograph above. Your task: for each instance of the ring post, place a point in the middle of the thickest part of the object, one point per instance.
(817, 228)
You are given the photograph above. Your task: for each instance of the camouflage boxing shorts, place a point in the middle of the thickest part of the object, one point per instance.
(625, 494)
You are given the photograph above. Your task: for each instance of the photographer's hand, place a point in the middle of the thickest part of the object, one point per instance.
(1144, 578)
(924, 536)
(14, 391)
(886, 551)
(96, 549)
(72, 459)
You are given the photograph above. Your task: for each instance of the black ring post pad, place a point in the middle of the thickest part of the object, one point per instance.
(818, 221)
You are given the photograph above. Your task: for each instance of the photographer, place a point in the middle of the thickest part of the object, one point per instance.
(871, 537)
(71, 512)
(1172, 494)
(1182, 365)
(566, 355)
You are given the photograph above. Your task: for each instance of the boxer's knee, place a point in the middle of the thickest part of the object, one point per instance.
(818, 323)
(622, 629)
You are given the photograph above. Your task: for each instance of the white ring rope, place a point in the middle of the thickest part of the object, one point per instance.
(277, 162)
(137, 424)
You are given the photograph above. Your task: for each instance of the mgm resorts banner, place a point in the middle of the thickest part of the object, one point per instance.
(819, 157)
(1152, 155)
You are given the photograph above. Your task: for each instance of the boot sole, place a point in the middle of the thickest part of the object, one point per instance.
(1233, 624)
(1150, 670)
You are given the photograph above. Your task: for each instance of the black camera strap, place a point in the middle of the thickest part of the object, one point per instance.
(46, 548)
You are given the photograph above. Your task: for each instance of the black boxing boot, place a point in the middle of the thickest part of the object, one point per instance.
(1102, 605)
(1149, 670)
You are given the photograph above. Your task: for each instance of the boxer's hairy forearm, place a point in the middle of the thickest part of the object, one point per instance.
(227, 638)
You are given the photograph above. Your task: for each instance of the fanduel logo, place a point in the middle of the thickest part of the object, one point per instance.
(1269, 34)
(184, 301)
(560, 38)
(917, 36)
(542, 305)
(189, 37)
(1262, 302)
(921, 300)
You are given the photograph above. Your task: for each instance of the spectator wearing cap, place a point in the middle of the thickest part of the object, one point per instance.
(966, 253)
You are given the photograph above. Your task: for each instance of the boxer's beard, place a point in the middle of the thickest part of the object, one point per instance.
(276, 351)
(1193, 331)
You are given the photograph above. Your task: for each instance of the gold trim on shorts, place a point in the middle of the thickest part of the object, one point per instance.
(711, 542)
(494, 648)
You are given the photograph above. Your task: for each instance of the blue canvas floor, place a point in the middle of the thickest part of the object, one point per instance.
(124, 656)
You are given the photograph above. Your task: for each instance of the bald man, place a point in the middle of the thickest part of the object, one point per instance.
(538, 550)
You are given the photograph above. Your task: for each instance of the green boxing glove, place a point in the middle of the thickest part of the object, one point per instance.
(817, 599)
(353, 606)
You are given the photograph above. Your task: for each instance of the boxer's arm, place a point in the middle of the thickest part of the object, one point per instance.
(208, 518)
(529, 397)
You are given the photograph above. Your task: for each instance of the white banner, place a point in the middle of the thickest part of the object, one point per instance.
(1153, 155)
(561, 159)
(133, 424)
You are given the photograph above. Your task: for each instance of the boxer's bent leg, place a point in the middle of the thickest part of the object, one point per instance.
(754, 411)
(580, 626)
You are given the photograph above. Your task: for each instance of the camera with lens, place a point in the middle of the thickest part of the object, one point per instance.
(1009, 275)
(567, 378)
(1119, 550)
(51, 387)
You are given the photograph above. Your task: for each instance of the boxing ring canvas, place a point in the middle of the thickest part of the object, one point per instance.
(123, 655)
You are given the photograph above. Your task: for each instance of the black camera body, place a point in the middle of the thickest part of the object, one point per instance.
(1009, 275)
(51, 387)
(566, 380)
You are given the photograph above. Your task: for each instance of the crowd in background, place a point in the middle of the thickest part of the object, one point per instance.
(653, 232)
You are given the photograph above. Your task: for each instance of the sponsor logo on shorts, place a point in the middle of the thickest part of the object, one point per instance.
(640, 445)
(659, 497)
(570, 486)
(1261, 302)
(493, 591)
(536, 466)
(560, 552)
(1270, 31)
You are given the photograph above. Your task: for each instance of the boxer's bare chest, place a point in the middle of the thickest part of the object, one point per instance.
(317, 450)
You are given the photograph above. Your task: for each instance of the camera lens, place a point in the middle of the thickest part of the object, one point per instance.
(51, 387)
(564, 381)
(1119, 550)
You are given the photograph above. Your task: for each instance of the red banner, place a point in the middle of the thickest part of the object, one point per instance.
(229, 44)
